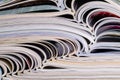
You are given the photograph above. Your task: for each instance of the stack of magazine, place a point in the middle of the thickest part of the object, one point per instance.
(59, 39)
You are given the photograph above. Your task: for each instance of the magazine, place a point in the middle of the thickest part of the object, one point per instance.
(51, 38)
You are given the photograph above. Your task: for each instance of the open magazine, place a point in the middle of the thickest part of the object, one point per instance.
(55, 37)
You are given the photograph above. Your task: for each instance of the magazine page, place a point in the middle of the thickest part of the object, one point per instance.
(30, 6)
(6, 2)
(114, 2)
